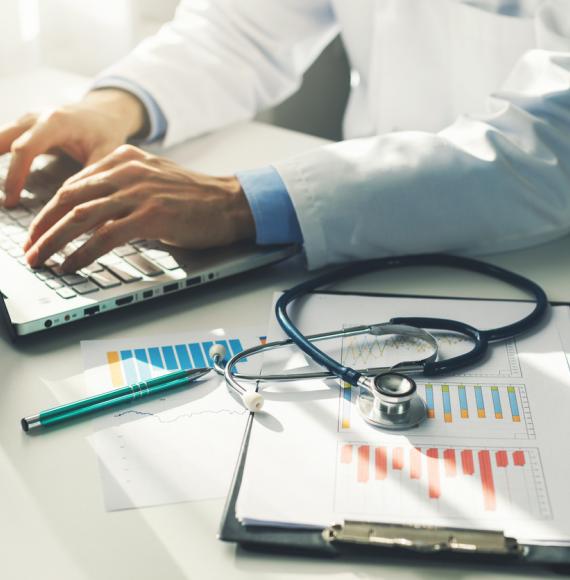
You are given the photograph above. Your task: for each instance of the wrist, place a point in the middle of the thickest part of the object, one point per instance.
(240, 222)
(125, 108)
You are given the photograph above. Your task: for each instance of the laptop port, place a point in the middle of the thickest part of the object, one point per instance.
(124, 300)
(91, 311)
(147, 294)
(170, 288)
(48, 323)
(193, 281)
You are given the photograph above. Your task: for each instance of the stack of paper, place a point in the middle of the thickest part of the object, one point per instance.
(493, 453)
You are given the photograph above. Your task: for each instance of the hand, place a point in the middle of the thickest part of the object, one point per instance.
(86, 131)
(130, 194)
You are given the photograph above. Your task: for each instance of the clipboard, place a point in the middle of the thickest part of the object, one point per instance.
(374, 540)
(377, 540)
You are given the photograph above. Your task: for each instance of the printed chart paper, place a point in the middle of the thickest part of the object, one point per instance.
(492, 453)
(177, 447)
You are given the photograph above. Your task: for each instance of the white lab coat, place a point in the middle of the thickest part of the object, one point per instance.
(457, 128)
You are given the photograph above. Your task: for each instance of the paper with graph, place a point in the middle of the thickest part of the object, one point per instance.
(491, 454)
(182, 446)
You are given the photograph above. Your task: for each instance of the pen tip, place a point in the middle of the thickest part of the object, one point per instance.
(25, 425)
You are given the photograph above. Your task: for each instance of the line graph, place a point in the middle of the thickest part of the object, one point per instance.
(174, 448)
(167, 420)
(367, 350)
(454, 482)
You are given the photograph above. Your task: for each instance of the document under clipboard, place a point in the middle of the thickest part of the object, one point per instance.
(375, 540)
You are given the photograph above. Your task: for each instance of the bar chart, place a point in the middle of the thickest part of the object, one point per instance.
(140, 364)
(461, 410)
(367, 351)
(453, 482)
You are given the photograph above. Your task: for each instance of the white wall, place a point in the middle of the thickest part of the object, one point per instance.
(84, 36)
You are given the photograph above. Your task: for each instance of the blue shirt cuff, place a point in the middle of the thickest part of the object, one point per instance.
(273, 212)
(156, 118)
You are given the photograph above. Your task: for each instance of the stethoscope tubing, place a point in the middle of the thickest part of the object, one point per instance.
(481, 337)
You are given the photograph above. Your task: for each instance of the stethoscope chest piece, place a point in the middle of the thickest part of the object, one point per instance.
(390, 401)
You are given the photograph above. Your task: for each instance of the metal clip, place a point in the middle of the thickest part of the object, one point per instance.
(423, 538)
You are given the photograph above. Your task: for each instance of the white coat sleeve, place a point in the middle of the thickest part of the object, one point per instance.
(482, 185)
(221, 61)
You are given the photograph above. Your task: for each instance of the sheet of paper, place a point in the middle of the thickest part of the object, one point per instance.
(491, 455)
(178, 447)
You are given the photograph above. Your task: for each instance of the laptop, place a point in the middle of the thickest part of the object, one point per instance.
(34, 300)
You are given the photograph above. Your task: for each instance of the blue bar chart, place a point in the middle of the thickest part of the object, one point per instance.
(461, 409)
(140, 364)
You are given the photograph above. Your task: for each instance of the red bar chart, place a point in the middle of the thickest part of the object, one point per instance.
(455, 482)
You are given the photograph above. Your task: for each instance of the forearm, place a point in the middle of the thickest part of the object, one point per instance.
(220, 62)
(480, 186)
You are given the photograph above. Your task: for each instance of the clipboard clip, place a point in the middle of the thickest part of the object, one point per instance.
(427, 539)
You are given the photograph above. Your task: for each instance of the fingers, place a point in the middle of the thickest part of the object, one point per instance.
(25, 149)
(8, 133)
(78, 221)
(67, 197)
(120, 155)
(107, 237)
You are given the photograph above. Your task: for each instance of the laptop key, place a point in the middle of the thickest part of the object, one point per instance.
(124, 272)
(92, 268)
(43, 275)
(126, 250)
(108, 260)
(73, 279)
(18, 213)
(169, 263)
(54, 283)
(143, 265)
(66, 292)
(105, 279)
(26, 220)
(16, 252)
(86, 288)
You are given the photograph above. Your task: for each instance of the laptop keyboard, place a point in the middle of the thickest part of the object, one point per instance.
(124, 265)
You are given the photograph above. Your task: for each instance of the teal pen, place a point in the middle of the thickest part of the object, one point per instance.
(111, 399)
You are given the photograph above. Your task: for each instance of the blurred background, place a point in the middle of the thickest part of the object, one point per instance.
(84, 36)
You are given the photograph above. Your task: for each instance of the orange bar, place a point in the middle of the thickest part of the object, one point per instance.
(464, 414)
(516, 419)
(501, 458)
(363, 471)
(467, 462)
(380, 460)
(518, 458)
(449, 462)
(447, 418)
(431, 414)
(489, 499)
(481, 413)
(498, 415)
(433, 473)
(346, 454)
(398, 458)
(115, 369)
(415, 463)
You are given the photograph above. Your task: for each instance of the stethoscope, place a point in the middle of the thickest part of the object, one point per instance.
(387, 396)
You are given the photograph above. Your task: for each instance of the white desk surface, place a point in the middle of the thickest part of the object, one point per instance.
(53, 521)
